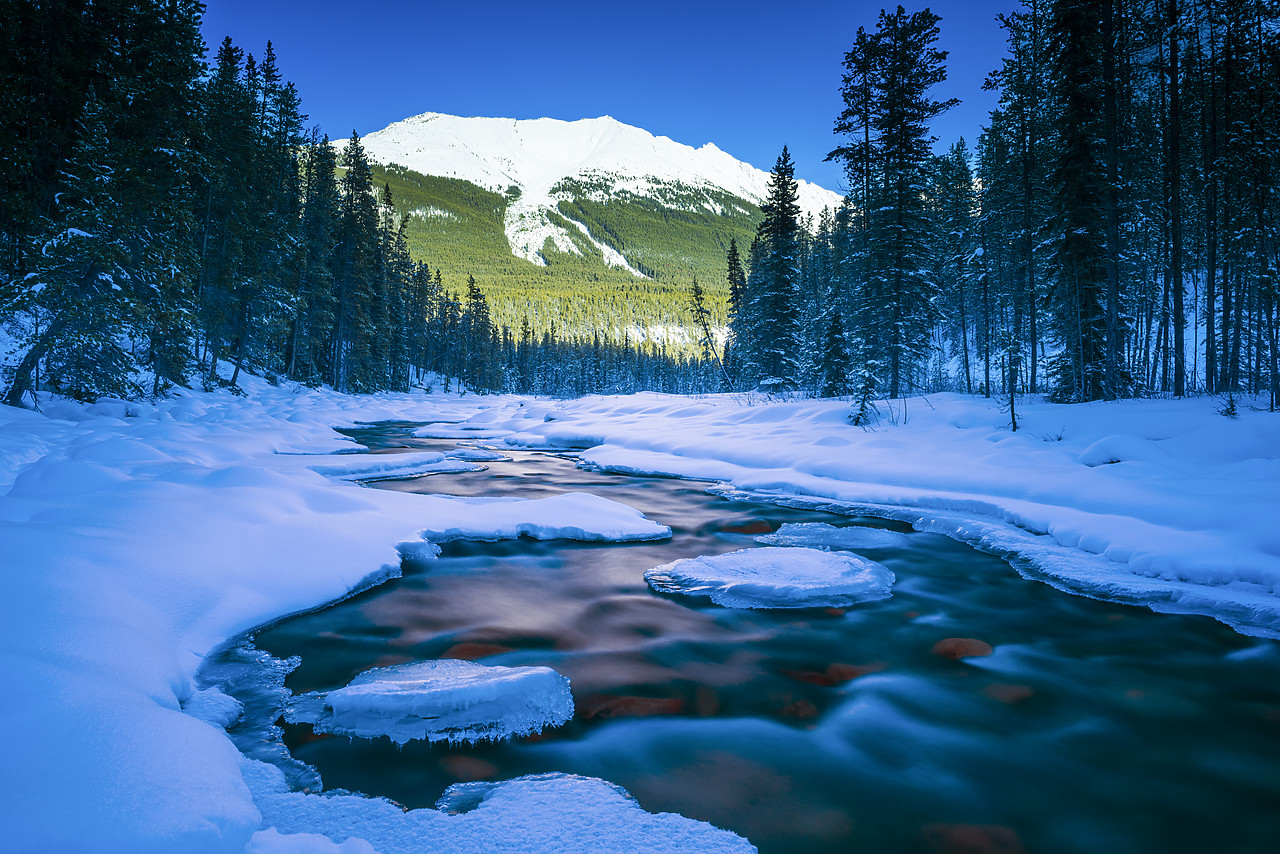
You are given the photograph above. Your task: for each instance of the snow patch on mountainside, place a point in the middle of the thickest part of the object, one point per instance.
(537, 154)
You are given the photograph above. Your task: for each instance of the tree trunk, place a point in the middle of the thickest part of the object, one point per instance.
(1174, 171)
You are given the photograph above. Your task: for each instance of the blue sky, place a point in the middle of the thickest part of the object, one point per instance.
(748, 76)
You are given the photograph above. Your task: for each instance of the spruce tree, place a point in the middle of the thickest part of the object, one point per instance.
(1079, 178)
(888, 110)
(773, 289)
(737, 341)
(356, 263)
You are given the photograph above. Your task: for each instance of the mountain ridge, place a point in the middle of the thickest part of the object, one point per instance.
(543, 165)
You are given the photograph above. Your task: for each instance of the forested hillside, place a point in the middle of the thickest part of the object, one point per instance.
(1111, 233)
(167, 223)
(458, 227)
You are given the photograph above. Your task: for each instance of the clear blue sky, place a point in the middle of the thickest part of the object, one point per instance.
(748, 76)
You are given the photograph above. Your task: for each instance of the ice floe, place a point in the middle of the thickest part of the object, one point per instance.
(776, 578)
(820, 535)
(444, 700)
(563, 813)
(570, 515)
(477, 455)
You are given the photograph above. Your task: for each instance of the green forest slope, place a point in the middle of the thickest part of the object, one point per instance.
(672, 235)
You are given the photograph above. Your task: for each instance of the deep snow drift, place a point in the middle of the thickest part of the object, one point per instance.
(138, 537)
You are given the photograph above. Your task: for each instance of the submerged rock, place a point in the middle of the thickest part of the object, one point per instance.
(958, 648)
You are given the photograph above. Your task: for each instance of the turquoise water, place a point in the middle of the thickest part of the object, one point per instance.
(1093, 726)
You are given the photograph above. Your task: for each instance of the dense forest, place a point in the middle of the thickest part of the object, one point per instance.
(1113, 235)
(460, 227)
(169, 219)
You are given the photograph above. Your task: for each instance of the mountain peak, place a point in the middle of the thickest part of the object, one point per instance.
(538, 155)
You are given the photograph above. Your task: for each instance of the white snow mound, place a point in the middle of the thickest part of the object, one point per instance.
(570, 515)
(563, 813)
(820, 535)
(445, 700)
(776, 578)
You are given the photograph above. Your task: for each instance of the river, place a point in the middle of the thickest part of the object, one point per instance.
(1093, 726)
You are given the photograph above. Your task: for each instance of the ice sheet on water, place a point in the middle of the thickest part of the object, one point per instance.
(820, 535)
(445, 700)
(776, 578)
(477, 455)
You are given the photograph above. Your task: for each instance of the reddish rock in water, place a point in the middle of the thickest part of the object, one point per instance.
(706, 702)
(605, 706)
(970, 839)
(1009, 694)
(468, 651)
(800, 710)
(749, 526)
(958, 648)
(835, 674)
(468, 768)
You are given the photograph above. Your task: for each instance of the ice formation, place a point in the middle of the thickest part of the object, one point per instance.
(819, 535)
(776, 578)
(477, 455)
(445, 700)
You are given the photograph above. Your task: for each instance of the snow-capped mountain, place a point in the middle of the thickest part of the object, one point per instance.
(539, 163)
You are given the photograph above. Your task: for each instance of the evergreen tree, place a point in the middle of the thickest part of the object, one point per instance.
(773, 288)
(954, 201)
(1079, 177)
(887, 79)
(96, 236)
(357, 258)
(833, 369)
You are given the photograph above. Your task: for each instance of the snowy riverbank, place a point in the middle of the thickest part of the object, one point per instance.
(137, 537)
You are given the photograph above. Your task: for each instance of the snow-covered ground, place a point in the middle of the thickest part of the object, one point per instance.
(136, 537)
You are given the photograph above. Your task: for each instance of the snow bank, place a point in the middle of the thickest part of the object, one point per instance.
(776, 578)
(138, 537)
(1165, 503)
(135, 538)
(570, 515)
(445, 700)
(558, 813)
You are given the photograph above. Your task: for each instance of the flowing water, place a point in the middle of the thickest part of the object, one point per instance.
(1094, 726)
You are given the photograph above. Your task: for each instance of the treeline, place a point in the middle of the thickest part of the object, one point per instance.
(169, 222)
(1115, 234)
(573, 366)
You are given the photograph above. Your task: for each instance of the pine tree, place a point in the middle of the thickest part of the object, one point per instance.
(1079, 177)
(954, 201)
(356, 263)
(833, 369)
(773, 288)
(96, 243)
(887, 79)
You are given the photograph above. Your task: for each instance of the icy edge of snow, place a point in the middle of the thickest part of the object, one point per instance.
(1246, 609)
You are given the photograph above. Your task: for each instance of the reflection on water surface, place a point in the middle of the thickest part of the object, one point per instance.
(1092, 727)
